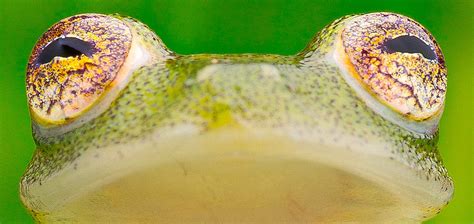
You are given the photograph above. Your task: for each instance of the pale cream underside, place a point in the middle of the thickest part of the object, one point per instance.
(233, 176)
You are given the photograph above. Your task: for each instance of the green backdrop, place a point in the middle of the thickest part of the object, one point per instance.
(281, 27)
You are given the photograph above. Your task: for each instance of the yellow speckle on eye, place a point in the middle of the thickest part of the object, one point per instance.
(392, 67)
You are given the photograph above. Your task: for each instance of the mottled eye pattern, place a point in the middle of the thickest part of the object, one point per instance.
(397, 61)
(73, 64)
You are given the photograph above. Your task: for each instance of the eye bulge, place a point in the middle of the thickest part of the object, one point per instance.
(391, 57)
(398, 62)
(73, 64)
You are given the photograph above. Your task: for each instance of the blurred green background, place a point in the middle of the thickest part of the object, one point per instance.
(280, 27)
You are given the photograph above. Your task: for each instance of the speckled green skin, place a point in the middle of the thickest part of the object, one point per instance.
(308, 97)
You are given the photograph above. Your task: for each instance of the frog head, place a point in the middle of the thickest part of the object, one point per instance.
(128, 130)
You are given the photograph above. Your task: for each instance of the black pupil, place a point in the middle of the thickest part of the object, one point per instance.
(65, 47)
(409, 44)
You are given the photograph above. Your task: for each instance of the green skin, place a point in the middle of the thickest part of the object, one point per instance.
(308, 95)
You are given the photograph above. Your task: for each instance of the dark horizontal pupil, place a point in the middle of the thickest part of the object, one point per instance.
(65, 47)
(409, 44)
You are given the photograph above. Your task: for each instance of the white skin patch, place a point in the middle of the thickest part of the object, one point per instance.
(207, 72)
(270, 71)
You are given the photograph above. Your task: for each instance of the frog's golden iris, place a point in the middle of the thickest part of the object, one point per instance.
(61, 87)
(398, 61)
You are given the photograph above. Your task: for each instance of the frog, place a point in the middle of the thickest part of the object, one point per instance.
(126, 130)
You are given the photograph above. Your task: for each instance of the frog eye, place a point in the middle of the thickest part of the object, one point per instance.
(396, 61)
(74, 64)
